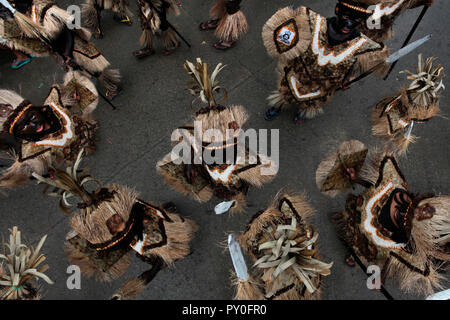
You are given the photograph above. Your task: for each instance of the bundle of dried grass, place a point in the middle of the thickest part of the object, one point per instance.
(288, 256)
(426, 82)
(22, 266)
(68, 184)
(204, 85)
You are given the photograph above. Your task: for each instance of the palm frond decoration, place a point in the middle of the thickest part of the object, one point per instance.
(70, 183)
(426, 81)
(204, 85)
(292, 255)
(19, 267)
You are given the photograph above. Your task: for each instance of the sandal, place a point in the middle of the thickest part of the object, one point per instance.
(299, 119)
(167, 52)
(224, 45)
(19, 64)
(142, 53)
(112, 95)
(271, 113)
(98, 34)
(350, 261)
(123, 19)
(208, 25)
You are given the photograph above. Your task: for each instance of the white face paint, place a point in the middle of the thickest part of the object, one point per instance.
(295, 88)
(368, 222)
(323, 56)
(67, 135)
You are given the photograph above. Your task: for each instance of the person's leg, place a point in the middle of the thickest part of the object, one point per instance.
(146, 42)
(224, 45)
(142, 53)
(169, 41)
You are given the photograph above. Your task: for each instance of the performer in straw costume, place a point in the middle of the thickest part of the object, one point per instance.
(317, 57)
(406, 234)
(283, 248)
(217, 162)
(91, 14)
(35, 136)
(393, 117)
(112, 222)
(229, 22)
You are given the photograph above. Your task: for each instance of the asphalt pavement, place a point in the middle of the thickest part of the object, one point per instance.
(154, 102)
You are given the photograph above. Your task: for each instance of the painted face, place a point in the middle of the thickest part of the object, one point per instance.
(345, 24)
(36, 123)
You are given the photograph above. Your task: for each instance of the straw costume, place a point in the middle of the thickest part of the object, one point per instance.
(405, 234)
(70, 45)
(112, 222)
(91, 12)
(316, 56)
(283, 249)
(153, 16)
(36, 136)
(229, 23)
(220, 163)
(393, 117)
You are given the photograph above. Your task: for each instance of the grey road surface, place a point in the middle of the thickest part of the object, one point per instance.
(136, 135)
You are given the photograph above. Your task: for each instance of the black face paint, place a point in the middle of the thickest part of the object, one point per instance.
(345, 25)
(335, 37)
(36, 123)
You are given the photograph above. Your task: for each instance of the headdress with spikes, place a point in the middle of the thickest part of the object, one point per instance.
(227, 120)
(426, 81)
(204, 85)
(21, 266)
(96, 207)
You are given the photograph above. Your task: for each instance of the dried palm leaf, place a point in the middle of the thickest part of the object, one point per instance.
(70, 183)
(426, 81)
(22, 266)
(290, 254)
(204, 85)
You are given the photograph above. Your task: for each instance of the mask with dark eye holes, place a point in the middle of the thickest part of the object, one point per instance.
(36, 123)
